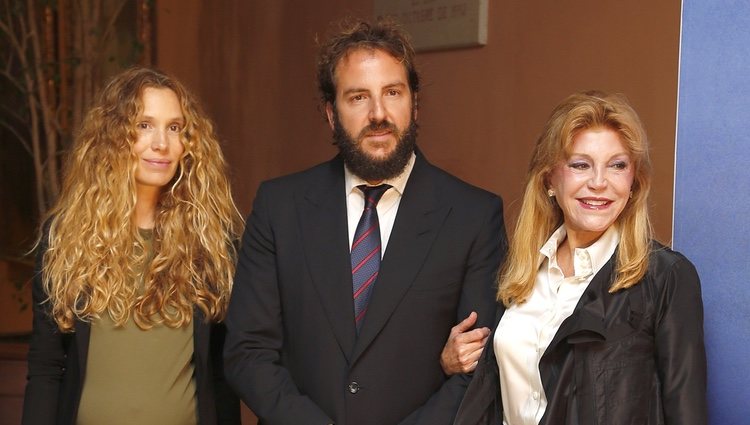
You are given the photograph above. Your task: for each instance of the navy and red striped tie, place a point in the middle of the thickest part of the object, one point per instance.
(366, 251)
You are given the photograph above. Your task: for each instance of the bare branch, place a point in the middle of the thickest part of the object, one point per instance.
(56, 71)
(13, 80)
(110, 26)
(20, 138)
(13, 113)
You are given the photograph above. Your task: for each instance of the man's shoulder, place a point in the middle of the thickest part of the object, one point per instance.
(451, 185)
(327, 170)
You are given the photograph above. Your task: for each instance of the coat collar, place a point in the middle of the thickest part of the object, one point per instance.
(418, 220)
(323, 228)
(323, 224)
(586, 323)
(82, 335)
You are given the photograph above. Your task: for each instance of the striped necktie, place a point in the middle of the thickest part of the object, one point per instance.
(366, 251)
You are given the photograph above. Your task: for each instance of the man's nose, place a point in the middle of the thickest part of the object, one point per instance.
(377, 110)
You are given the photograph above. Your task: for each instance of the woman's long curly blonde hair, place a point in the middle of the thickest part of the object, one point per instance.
(93, 247)
(540, 215)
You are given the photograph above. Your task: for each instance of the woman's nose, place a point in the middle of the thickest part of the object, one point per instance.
(159, 141)
(598, 179)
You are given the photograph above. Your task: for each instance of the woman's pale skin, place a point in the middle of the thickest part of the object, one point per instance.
(592, 187)
(158, 147)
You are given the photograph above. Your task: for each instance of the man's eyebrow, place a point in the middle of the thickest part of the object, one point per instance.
(364, 90)
(355, 90)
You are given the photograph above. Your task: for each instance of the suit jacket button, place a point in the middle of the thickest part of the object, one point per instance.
(353, 388)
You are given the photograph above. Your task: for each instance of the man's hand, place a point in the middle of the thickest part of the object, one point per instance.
(463, 348)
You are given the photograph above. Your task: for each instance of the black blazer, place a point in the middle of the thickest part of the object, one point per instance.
(57, 367)
(632, 357)
(292, 353)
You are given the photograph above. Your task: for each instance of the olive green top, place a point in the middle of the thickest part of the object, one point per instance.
(136, 376)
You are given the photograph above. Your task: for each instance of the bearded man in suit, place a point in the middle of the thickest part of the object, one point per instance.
(352, 273)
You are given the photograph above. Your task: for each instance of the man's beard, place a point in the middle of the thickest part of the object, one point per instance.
(364, 165)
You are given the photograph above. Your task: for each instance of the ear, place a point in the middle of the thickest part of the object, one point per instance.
(329, 114)
(548, 184)
(415, 107)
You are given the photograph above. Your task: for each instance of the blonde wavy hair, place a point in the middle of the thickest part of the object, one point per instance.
(540, 215)
(93, 251)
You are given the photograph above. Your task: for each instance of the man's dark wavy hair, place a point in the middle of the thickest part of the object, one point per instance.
(384, 34)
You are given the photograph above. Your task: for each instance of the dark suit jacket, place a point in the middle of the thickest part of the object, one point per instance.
(292, 352)
(632, 357)
(57, 367)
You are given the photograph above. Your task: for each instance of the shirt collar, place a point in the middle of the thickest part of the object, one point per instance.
(586, 261)
(399, 182)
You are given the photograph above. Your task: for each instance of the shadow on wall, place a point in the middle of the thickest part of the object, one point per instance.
(12, 381)
(15, 297)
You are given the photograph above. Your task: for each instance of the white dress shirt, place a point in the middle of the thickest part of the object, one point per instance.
(525, 330)
(387, 206)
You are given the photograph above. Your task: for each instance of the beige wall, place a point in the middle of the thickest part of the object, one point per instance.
(252, 64)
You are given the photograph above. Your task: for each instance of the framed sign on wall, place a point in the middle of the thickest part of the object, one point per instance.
(439, 24)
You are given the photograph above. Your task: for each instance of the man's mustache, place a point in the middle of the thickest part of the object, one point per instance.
(378, 126)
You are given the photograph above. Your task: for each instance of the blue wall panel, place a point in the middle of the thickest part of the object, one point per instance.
(712, 190)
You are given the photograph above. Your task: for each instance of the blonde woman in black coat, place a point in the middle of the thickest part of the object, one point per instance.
(598, 323)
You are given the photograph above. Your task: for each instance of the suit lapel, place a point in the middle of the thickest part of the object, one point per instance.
(418, 220)
(201, 338)
(82, 336)
(586, 323)
(325, 242)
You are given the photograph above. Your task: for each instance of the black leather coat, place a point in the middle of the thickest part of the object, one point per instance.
(635, 357)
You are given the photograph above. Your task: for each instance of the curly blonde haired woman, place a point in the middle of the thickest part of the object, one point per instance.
(135, 267)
